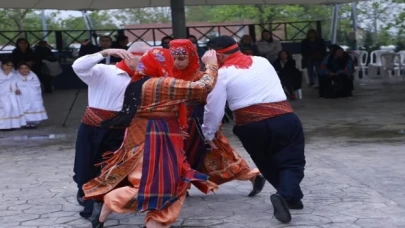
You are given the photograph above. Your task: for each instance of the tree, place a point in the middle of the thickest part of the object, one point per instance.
(143, 16)
(384, 37)
(100, 20)
(268, 14)
(368, 42)
(377, 12)
(400, 43)
(14, 21)
(199, 13)
(14, 17)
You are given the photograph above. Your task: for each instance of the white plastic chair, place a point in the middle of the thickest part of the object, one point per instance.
(362, 60)
(375, 62)
(298, 64)
(356, 59)
(390, 62)
(402, 54)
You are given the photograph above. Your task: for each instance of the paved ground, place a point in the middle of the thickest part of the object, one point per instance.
(354, 177)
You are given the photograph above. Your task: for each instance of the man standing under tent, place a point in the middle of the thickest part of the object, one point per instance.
(265, 122)
(106, 88)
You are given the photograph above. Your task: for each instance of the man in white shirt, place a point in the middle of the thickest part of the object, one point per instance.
(265, 122)
(106, 88)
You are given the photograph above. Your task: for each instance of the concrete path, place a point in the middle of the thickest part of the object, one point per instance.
(355, 175)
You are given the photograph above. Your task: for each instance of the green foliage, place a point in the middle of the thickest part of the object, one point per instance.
(373, 15)
(143, 16)
(384, 38)
(400, 43)
(376, 12)
(99, 19)
(368, 42)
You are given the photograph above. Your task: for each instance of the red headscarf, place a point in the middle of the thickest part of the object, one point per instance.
(157, 62)
(185, 48)
(123, 66)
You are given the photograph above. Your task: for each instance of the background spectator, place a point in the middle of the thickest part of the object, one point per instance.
(165, 41)
(268, 47)
(290, 76)
(247, 46)
(313, 51)
(336, 77)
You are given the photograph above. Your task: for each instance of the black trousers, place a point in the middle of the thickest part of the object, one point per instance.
(337, 86)
(276, 146)
(291, 79)
(91, 143)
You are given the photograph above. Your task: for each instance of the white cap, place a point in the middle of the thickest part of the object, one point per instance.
(140, 47)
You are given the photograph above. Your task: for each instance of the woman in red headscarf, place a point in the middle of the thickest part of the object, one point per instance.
(222, 164)
(150, 164)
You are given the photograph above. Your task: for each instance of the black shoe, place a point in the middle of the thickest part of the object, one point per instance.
(258, 185)
(88, 209)
(295, 205)
(80, 199)
(187, 194)
(95, 216)
(97, 224)
(281, 211)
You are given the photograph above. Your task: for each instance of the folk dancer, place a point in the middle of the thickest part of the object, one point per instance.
(31, 96)
(265, 122)
(11, 111)
(222, 164)
(106, 87)
(150, 171)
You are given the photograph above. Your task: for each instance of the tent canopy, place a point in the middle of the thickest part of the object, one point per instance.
(123, 4)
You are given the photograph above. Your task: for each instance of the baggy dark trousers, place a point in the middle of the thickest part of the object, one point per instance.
(91, 143)
(276, 146)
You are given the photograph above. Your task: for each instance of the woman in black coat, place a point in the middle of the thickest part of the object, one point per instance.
(313, 50)
(290, 76)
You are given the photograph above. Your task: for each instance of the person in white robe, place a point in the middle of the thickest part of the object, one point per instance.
(31, 96)
(11, 112)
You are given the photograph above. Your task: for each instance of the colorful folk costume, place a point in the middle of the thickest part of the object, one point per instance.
(106, 88)
(223, 164)
(31, 97)
(265, 122)
(149, 172)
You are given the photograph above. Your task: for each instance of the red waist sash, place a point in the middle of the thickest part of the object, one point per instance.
(94, 116)
(157, 115)
(258, 112)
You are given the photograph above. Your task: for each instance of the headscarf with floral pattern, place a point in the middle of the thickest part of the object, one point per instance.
(157, 62)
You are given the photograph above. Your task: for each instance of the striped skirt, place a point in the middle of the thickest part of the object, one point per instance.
(166, 174)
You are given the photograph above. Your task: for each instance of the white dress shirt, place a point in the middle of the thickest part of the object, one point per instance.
(106, 83)
(241, 88)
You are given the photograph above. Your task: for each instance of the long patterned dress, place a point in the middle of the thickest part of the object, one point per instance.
(152, 158)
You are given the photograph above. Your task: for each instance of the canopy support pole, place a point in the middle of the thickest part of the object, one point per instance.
(354, 20)
(178, 18)
(44, 25)
(335, 19)
(89, 26)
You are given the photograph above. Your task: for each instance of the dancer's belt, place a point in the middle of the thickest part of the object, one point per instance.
(94, 116)
(258, 112)
(157, 115)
